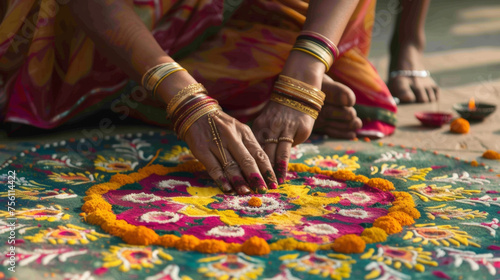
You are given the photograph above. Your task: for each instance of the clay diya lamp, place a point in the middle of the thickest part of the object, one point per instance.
(433, 119)
(473, 111)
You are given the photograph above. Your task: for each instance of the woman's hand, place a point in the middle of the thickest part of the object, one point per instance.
(239, 164)
(279, 121)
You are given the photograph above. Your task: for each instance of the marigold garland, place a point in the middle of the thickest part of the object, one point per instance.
(99, 212)
(490, 154)
(374, 235)
(349, 244)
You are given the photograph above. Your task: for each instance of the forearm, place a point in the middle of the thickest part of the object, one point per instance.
(410, 27)
(121, 36)
(328, 18)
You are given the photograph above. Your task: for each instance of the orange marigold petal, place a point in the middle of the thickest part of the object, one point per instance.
(141, 236)
(212, 246)
(255, 246)
(349, 244)
(122, 179)
(187, 243)
(460, 125)
(234, 248)
(490, 154)
(361, 178)
(388, 224)
(374, 235)
(255, 202)
(403, 218)
(475, 163)
(100, 217)
(381, 184)
(408, 209)
(117, 228)
(96, 204)
(167, 240)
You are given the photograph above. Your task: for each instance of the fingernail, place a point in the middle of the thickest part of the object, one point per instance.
(273, 186)
(262, 189)
(243, 190)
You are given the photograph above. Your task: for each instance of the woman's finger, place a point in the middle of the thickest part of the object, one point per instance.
(215, 171)
(233, 173)
(283, 155)
(262, 161)
(246, 161)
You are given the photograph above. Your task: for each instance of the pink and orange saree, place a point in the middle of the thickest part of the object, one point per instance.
(51, 72)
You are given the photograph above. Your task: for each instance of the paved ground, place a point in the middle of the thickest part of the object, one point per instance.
(463, 55)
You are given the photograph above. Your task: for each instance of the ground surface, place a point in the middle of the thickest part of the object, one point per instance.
(463, 54)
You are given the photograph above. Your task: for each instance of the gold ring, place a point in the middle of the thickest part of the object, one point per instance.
(271, 140)
(285, 139)
(227, 164)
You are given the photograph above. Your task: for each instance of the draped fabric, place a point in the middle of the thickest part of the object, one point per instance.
(51, 71)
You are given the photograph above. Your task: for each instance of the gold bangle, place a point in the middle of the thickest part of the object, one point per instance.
(182, 94)
(305, 32)
(151, 70)
(164, 77)
(294, 92)
(327, 67)
(196, 116)
(294, 105)
(301, 86)
(324, 53)
(194, 107)
(157, 73)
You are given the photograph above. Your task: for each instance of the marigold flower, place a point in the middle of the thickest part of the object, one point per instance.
(403, 198)
(381, 184)
(408, 209)
(403, 218)
(211, 246)
(255, 202)
(255, 246)
(167, 240)
(388, 224)
(349, 244)
(460, 125)
(361, 178)
(100, 217)
(96, 204)
(117, 228)
(490, 154)
(233, 248)
(187, 243)
(141, 236)
(374, 235)
(475, 163)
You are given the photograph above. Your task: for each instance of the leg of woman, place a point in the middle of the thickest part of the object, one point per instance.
(407, 47)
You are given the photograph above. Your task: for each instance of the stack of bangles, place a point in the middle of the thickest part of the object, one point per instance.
(188, 105)
(298, 96)
(317, 45)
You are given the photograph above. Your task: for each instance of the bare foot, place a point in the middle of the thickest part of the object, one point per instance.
(411, 89)
(338, 118)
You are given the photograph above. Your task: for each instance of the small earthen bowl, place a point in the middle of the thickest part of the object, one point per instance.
(433, 119)
(482, 111)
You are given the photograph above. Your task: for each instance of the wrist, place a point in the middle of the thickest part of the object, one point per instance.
(173, 84)
(305, 68)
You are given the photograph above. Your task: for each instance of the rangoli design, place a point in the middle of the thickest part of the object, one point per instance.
(139, 206)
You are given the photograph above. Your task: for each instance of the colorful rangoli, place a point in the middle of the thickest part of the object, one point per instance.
(141, 207)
